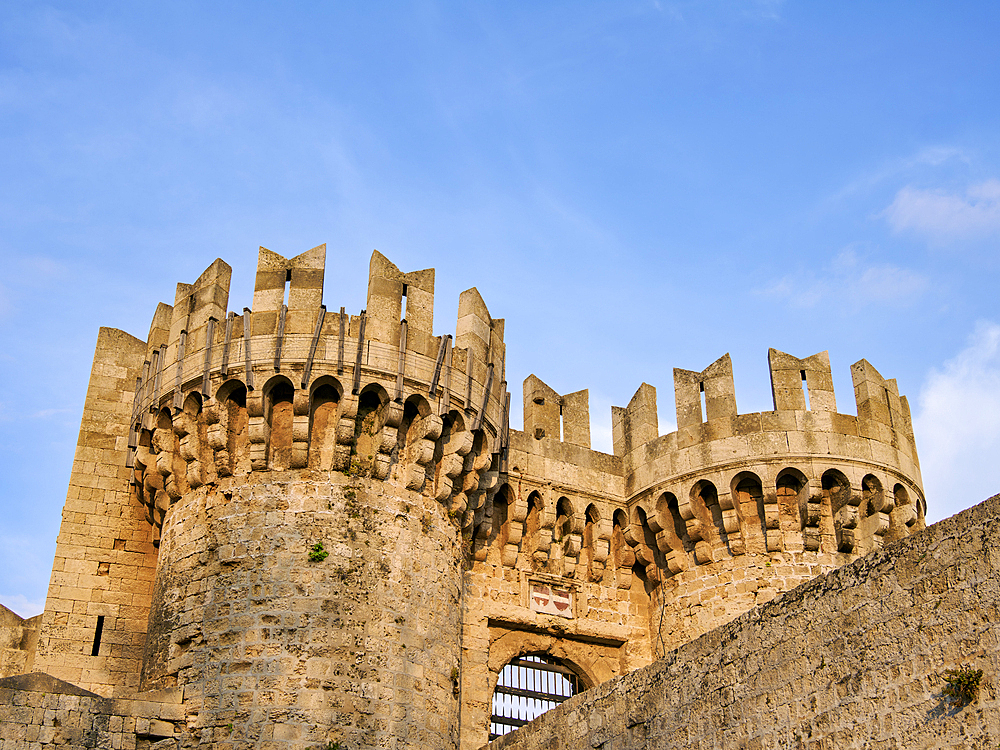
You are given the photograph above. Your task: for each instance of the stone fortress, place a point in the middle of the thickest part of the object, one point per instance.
(291, 526)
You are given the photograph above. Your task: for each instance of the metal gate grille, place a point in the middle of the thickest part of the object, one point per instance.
(528, 687)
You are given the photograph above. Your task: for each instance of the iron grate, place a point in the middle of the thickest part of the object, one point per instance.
(528, 687)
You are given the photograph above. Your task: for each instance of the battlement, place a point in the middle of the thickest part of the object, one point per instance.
(804, 401)
(288, 386)
(289, 330)
(725, 487)
(547, 414)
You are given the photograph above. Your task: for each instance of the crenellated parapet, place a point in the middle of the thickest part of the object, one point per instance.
(800, 477)
(288, 385)
(768, 498)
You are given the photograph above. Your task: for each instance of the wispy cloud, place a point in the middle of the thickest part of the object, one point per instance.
(957, 424)
(22, 605)
(46, 413)
(945, 217)
(848, 277)
(897, 170)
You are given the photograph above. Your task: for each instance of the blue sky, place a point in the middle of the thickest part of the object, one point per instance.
(634, 186)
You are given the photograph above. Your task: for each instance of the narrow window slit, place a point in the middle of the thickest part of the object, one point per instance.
(805, 389)
(97, 635)
(704, 403)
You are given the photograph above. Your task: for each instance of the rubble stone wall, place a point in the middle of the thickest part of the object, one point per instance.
(853, 659)
(274, 641)
(38, 711)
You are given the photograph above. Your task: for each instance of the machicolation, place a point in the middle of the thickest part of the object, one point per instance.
(290, 526)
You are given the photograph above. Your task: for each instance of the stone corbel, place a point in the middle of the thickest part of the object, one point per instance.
(810, 530)
(846, 522)
(772, 523)
(345, 433)
(731, 524)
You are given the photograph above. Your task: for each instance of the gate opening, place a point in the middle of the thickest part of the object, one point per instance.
(528, 687)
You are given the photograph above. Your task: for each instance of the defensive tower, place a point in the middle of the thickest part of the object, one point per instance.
(311, 525)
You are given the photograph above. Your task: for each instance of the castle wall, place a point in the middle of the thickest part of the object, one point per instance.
(675, 535)
(102, 575)
(851, 660)
(41, 711)
(732, 509)
(18, 642)
(218, 453)
(537, 545)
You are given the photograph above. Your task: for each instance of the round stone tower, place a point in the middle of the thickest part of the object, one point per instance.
(309, 476)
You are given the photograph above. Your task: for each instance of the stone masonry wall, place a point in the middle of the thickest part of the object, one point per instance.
(359, 647)
(105, 558)
(37, 710)
(214, 455)
(849, 660)
(697, 600)
(603, 631)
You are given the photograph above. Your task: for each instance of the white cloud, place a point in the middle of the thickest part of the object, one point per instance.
(957, 425)
(848, 278)
(895, 169)
(22, 606)
(944, 217)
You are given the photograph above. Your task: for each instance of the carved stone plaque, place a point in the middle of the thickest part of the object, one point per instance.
(551, 600)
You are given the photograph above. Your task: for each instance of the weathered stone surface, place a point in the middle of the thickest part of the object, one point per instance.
(853, 659)
(18, 642)
(295, 526)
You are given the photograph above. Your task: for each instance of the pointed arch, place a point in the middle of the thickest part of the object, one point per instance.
(193, 438)
(450, 451)
(168, 460)
(843, 508)
(564, 519)
(368, 425)
(906, 514)
(325, 395)
(415, 408)
(792, 491)
(502, 502)
(591, 539)
(705, 503)
(532, 522)
(279, 394)
(748, 497)
(673, 535)
(649, 560)
(234, 458)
